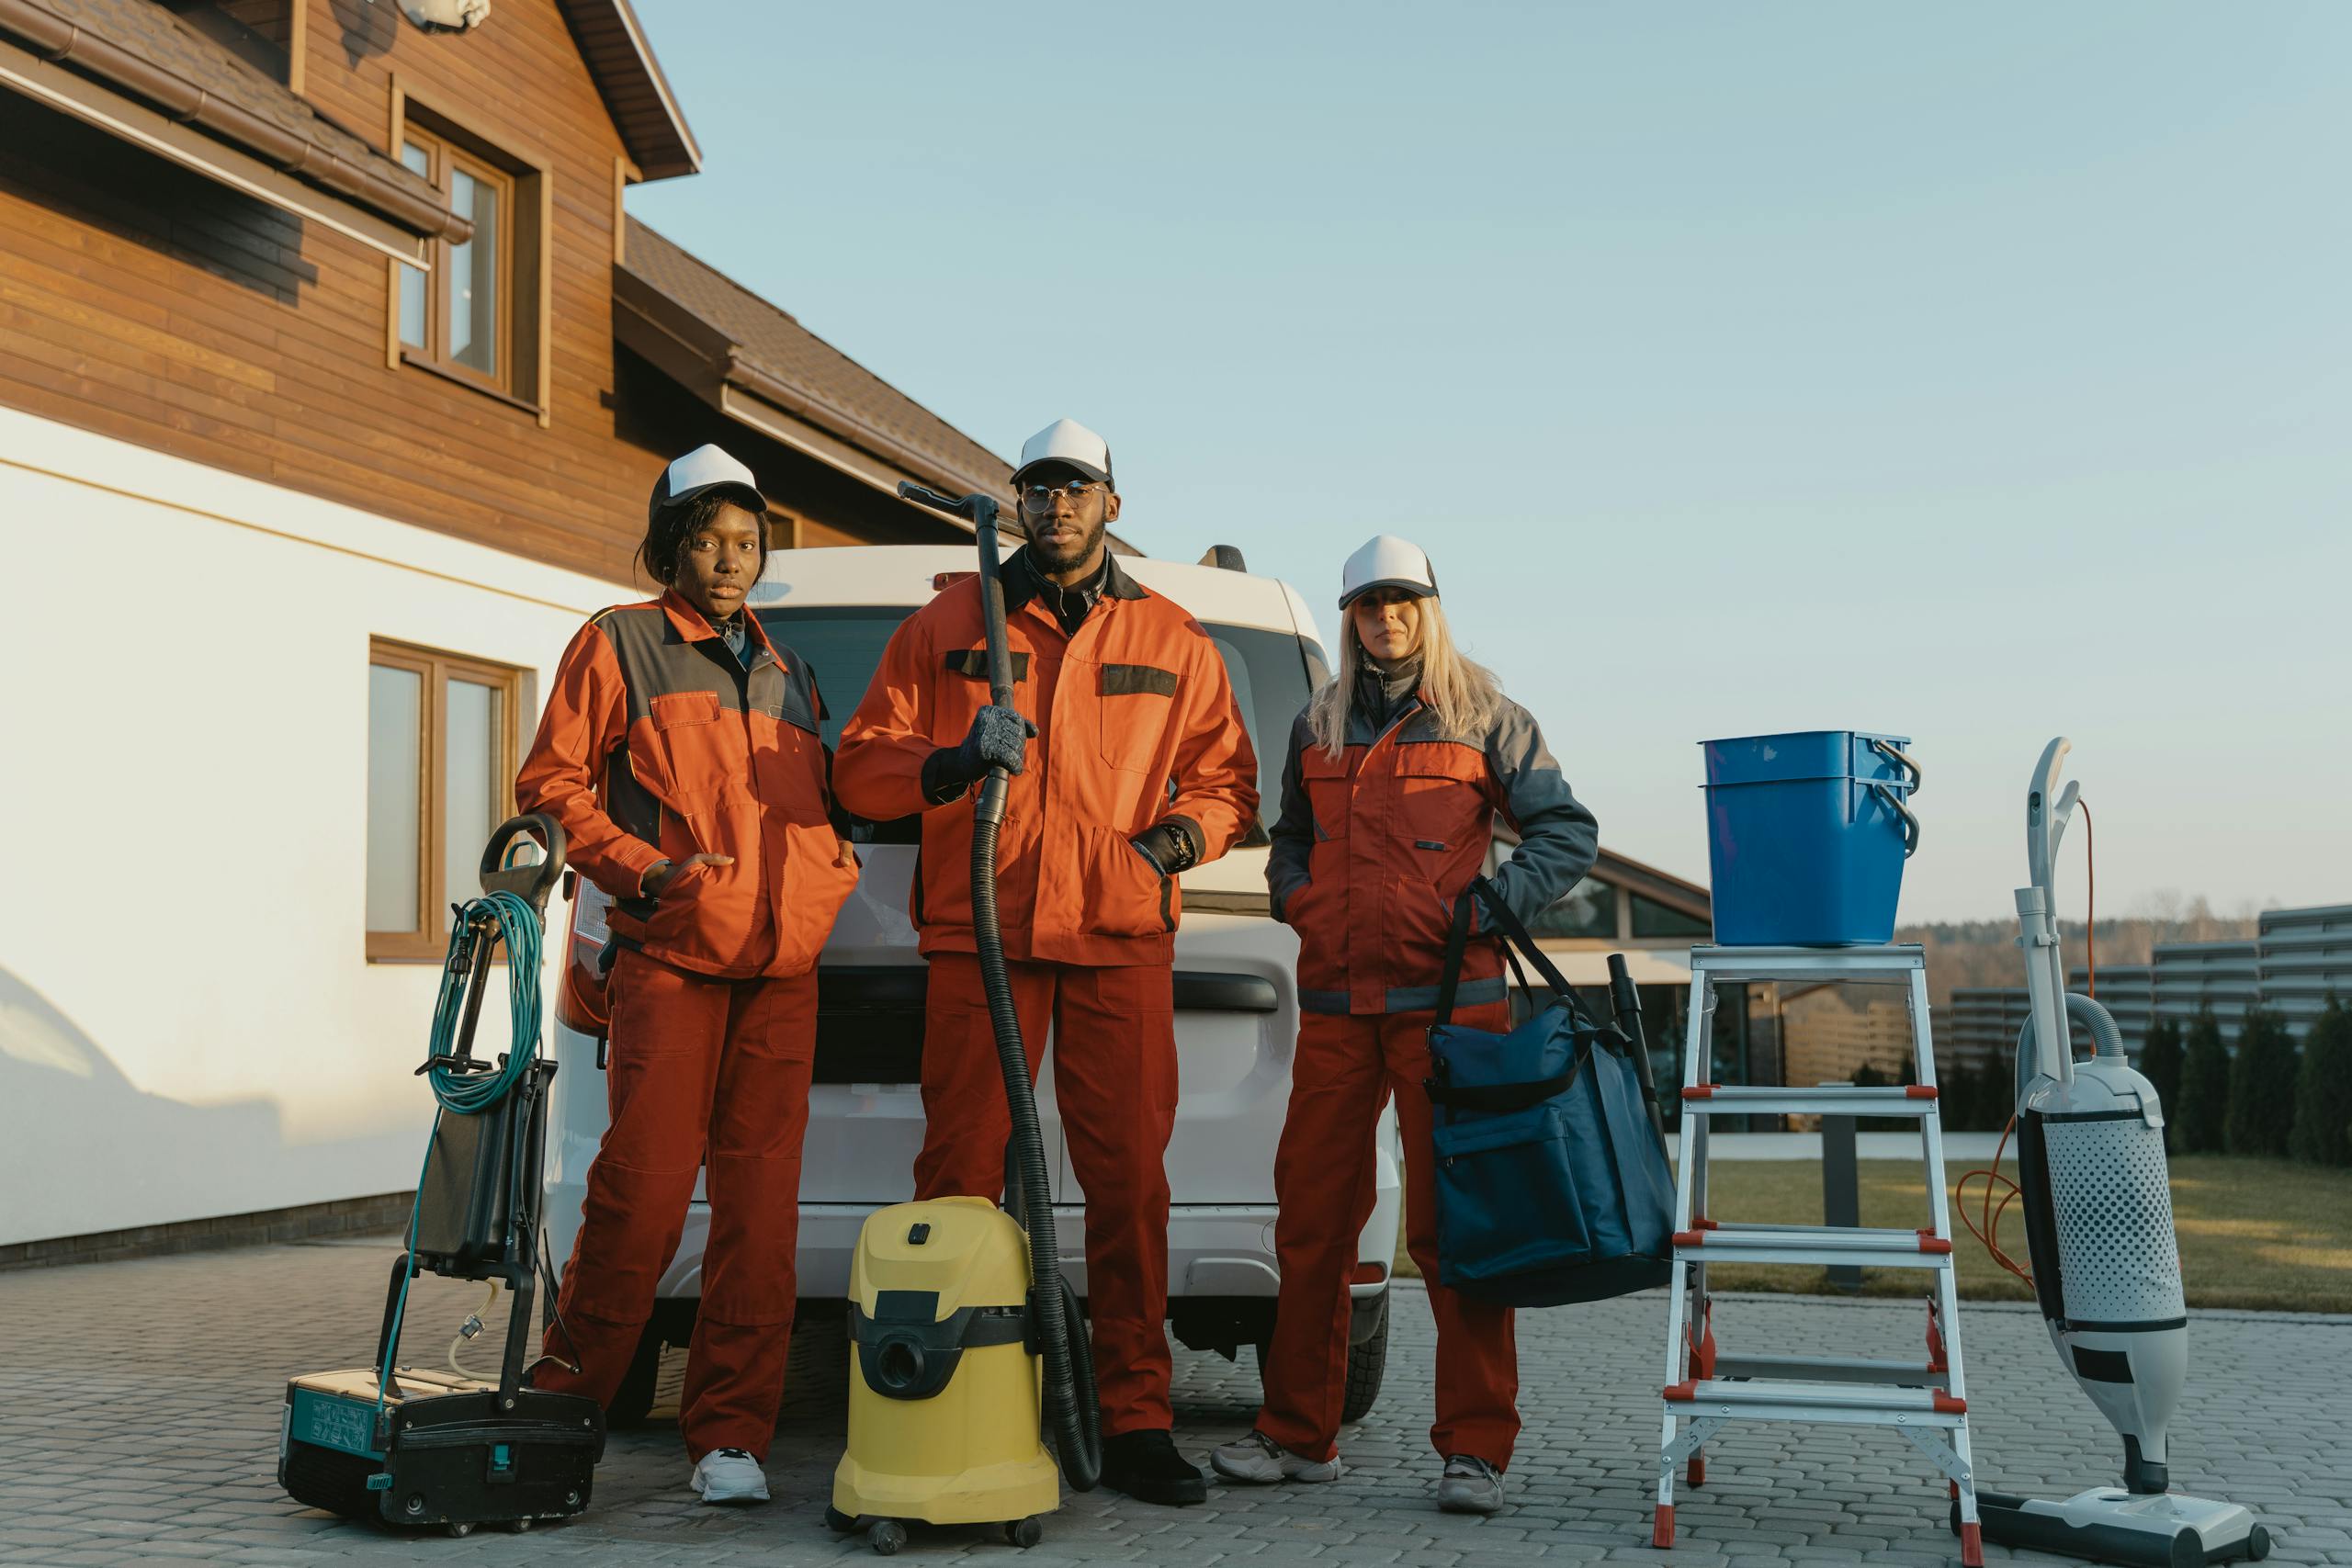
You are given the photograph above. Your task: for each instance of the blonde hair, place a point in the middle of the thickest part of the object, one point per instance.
(1463, 696)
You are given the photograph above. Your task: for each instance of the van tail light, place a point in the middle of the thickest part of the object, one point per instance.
(942, 581)
(1369, 1274)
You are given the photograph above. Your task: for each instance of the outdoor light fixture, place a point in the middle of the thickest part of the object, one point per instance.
(446, 16)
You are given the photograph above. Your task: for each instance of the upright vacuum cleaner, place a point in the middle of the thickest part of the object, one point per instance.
(956, 1305)
(2106, 1264)
(429, 1447)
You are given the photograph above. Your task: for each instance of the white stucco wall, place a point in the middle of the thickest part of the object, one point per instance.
(189, 1024)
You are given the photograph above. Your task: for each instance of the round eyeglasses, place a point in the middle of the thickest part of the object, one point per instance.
(1040, 498)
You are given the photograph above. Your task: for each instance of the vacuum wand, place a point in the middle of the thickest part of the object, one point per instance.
(1071, 1412)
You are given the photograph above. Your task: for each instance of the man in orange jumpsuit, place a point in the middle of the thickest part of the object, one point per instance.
(1140, 767)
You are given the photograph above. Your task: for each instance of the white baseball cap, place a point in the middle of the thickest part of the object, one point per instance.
(1069, 443)
(1386, 561)
(708, 467)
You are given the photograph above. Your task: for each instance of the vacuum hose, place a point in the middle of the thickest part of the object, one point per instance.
(1073, 1414)
(2107, 1038)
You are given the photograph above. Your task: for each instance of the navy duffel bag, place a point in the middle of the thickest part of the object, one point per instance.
(1552, 1178)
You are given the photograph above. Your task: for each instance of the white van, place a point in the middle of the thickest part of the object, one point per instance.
(1236, 1003)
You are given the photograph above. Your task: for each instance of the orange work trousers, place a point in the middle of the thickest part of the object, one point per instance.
(1346, 1067)
(1115, 1082)
(711, 1075)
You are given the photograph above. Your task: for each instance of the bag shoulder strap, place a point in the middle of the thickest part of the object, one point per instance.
(1516, 941)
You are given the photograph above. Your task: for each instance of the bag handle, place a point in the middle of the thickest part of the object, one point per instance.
(1516, 939)
(1501, 1098)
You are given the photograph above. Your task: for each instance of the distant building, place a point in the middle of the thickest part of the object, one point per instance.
(2305, 956)
(2195, 977)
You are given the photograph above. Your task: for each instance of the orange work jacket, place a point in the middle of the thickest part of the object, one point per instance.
(657, 744)
(1137, 725)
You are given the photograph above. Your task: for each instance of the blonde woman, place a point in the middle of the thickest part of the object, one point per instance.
(1394, 772)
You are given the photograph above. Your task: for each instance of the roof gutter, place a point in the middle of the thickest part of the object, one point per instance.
(67, 43)
(747, 374)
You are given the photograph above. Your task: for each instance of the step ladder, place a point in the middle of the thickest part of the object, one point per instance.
(1927, 1401)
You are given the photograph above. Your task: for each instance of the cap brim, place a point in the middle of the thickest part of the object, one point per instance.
(1418, 589)
(735, 491)
(1083, 471)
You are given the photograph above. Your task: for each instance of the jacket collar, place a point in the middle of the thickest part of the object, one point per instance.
(690, 626)
(1023, 581)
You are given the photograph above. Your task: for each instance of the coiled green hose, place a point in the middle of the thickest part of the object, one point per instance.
(517, 925)
(470, 1093)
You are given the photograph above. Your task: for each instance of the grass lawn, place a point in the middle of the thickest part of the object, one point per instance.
(2254, 1232)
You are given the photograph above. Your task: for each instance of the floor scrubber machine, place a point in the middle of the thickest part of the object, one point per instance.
(443, 1448)
(970, 1345)
(2093, 1180)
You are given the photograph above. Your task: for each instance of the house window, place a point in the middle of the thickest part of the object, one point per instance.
(1589, 911)
(458, 316)
(1654, 919)
(441, 760)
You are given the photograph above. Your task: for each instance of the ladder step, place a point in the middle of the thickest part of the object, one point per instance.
(1824, 1398)
(1746, 1099)
(1733, 1243)
(1833, 1369)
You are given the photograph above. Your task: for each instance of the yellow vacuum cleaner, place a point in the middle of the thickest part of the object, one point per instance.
(970, 1344)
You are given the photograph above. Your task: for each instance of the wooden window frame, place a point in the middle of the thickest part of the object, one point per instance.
(524, 327)
(435, 670)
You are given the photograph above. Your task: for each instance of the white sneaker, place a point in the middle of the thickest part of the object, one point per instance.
(1470, 1485)
(730, 1475)
(1258, 1460)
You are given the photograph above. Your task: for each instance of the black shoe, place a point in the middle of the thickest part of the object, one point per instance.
(1147, 1467)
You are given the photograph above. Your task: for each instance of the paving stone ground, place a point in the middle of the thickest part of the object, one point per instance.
(139, 1413)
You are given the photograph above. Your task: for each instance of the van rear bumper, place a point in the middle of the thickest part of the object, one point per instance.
(1214, 1250)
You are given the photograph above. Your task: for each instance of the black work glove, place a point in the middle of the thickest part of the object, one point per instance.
(998, 738)
(1170, 845)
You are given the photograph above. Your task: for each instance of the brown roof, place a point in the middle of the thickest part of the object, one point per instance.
(635, 94)
(141, 48)
(846, 397)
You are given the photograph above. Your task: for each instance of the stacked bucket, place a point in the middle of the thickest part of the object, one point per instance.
(1806, 837)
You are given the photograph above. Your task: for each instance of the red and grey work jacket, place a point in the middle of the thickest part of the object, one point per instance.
(1135, 727)
(658, 744)
(1375, 844)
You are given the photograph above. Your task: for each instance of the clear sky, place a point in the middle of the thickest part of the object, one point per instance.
(1977, 374)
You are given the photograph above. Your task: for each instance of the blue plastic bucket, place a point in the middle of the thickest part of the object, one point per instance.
(1806, 837)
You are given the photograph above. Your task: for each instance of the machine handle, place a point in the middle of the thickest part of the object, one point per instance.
(529, 883)
(1903, 762)
(1627, 1003)
(1910, 823)
(938, 501)
(981, 512)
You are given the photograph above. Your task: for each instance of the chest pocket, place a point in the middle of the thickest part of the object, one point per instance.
(1440, 794)
(692, 738)
(1328, 787)
(963, 691)
(1133, 703)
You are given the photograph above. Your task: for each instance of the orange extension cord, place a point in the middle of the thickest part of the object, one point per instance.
(1989, 1231)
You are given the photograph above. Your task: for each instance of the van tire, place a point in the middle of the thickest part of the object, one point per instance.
(1367, 1361)
(1367, 1364)
(633, 1401)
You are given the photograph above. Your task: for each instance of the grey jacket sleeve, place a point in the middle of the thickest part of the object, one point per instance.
(1559, 839)
(1293, 831)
